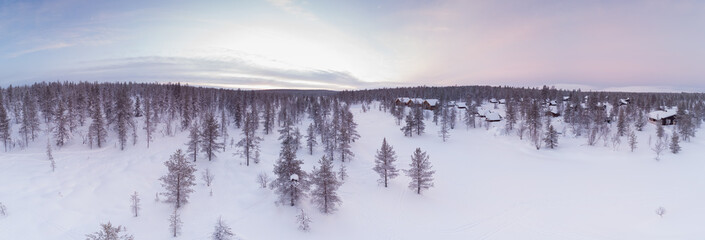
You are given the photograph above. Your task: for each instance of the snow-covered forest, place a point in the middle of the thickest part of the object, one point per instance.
(162, 161)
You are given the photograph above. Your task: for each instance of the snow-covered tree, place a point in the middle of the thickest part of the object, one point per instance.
(444, 132)
(342, 172)
(149, 122)
(304, 221)
(621, 124)
(135, 204)
(632, 141)
(30, 121)
(660, 133)
(384, 163)
(420, 171)
(3, 209)
(209, 136)
(222, 231)
(325, 185)
(194, 141)
(175, 223)
(675, 143)
(250, 141)
(408, 127)
(310, 138)
(108, 232)
(179, 180)
(291, 181)
(61, 131)
(4, 125)
(123, 117)
(551, 138)
(97, 131)
(419, 125)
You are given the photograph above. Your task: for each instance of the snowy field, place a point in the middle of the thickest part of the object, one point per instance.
(487, 186)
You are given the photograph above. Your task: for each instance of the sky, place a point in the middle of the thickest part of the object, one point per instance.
(310, 44)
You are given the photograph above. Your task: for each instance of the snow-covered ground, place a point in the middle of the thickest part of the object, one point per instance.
(487, 186)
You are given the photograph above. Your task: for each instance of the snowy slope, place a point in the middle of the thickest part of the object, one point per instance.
(488, 186)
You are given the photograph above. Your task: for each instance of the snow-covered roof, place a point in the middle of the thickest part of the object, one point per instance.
(432, 102)
(461, 105)
(623, 101)
(553, 109)
(493, 100)
(492, 116)
(417, 100)
(566, 98)
(659, 114)
(403, 99)
(502, 101)
(450, 103)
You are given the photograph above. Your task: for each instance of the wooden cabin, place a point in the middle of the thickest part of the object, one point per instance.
(663, 117)
(430, 104)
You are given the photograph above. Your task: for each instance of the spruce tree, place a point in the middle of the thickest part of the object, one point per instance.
(420, 171)
(149, 121)
(384, 163)
(408, 128)
(632, 141)
(123, 117)
(222, 231)
(444, 132)
(291, 181)
(250, 141)
(108, 232)
(419, 125)
(325, 186)
(30, 121)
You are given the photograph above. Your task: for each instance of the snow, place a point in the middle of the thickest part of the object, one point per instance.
(657, 115)
(488, 185)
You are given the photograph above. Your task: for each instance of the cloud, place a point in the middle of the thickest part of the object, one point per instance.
(231, 72)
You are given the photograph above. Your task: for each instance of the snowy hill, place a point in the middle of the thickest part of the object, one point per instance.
(487, 186)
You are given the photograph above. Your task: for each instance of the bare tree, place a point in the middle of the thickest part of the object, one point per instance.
(207, 177)
(659, 147)
(135, 206)
(3, 210)
(660, 211)
(304, 221)
(175, 223)
(263, 179)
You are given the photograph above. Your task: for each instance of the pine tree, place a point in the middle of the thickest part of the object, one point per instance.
(511, 117)
(291, 183)
(420, 171)
(551, 138)
(453, 117)
(30, 121)
(209, 136)
(325, 185)
(444, 132)
(4, 125)
(61, 132)
(149, 122)
(408, 128)
(97, 130)
(50, 157)
(179, 180)
(419, 125)
(250, 141)
(469, 119)
(640, 122)
(342, 172)
(310, 138)
(632, 141)
(675, 143)
(175, 223)
(194, 142)
(384, 163)
(621, 124)
(108, 232)
(222, 231)
(659, 131)
(135, 204)
(123, 117)
(223, 128)
(138, 108)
